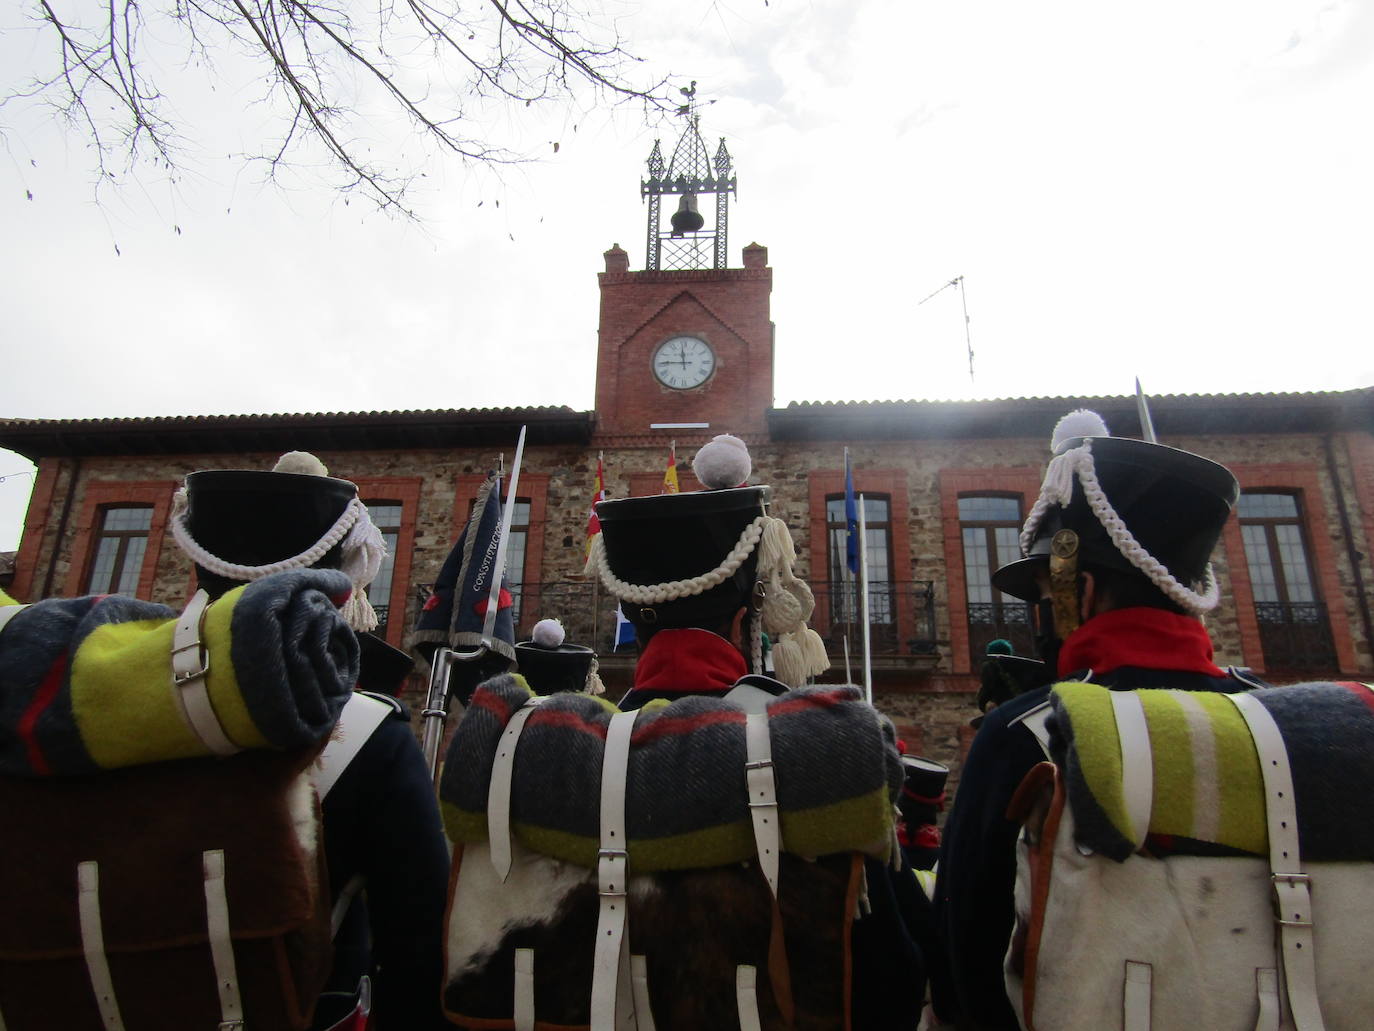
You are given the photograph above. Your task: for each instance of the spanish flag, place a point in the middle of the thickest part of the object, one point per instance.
(593, 523)
(670, 474)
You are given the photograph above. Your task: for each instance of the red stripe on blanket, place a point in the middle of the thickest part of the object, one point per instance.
(814, 700)
(666, 726)
(566, 720)
(492, 703)
(1360, 691)
(47, 691)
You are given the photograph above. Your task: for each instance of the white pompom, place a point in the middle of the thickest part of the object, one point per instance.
(722, 463)
(1079, 423)
(548, 633)
(301, 462)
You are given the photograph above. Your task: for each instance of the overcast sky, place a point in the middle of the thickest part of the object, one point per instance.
(1182, 191)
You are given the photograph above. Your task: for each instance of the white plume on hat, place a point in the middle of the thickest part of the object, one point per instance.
(302, 463)
(1081, 422)
(548, 633)
(723, 462)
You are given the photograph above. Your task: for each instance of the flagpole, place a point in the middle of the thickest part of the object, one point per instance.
(863, 598)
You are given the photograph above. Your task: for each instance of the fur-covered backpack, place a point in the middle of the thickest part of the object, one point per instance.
(1203, 860)
(683, 866)
(163, 863)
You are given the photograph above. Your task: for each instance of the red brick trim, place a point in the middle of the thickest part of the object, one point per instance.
(97, 496)
(956, 483)
(1304, 481)
(35, 527)
(1360, 447)
(534, 486)
(406, 490)
(823, 483)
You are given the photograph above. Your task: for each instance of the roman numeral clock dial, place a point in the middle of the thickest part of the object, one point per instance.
(682, 363)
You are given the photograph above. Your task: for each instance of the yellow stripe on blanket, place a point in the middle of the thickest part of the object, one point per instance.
(1207, 780)
(122, 694)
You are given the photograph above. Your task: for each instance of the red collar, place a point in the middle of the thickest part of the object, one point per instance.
(1144, 637)
(688, 660)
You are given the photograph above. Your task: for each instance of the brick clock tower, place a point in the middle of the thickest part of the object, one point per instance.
(685, 347)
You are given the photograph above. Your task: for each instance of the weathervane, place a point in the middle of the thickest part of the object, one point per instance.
(687, 243)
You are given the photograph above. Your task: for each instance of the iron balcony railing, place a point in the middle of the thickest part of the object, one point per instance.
(1009, 620)
(901, 615)
(1296, 637)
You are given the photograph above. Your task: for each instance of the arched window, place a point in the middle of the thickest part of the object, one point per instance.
(990, 528)
(120, 545)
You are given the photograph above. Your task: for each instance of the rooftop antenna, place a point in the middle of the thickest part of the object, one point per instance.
(963, 298)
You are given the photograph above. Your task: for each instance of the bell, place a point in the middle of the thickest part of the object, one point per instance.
(687, 219)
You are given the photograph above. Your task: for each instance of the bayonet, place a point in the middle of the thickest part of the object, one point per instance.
(1142, 407)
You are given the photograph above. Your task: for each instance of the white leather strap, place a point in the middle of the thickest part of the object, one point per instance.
(1292, 890)
(498, 793)
(610, 990)
(221, 943)
(361, 715)
(1135, 1003)
(8, 612)
(746, 998)
(524, 990)
(1034, 721)
(1267, 993)
(1137, 764)
(350, 891)
(639, 975)
(93, 944)
(763, 796)
(190, 666)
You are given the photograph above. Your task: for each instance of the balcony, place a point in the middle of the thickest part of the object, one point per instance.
(1011, 621)
(902, 616)
(1296, 637)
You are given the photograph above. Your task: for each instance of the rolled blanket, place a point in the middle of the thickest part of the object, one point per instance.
(1208, 787)
(835, 762)
(86, 683)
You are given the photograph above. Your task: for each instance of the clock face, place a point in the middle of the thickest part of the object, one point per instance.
(684, 362)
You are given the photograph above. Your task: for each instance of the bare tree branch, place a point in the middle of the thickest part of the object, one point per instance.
(426, 60)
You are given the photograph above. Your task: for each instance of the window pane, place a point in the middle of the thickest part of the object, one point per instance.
(1262, 578)
(103, 566)
(988, 509)
(127, 519)
(976, 572)
(1267, 506)
(131, 566)
(1293, 556)
(834, 511)
(384, 515)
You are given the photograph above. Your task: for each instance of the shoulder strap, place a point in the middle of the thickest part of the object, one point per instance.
(8, 612)
(1034, 721)
(360, 717)
(1292, 895)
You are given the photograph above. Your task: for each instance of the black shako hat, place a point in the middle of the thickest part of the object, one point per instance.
(1173, 505)
(563, 667)
(666, 538)
(253, 518)
(381, 667)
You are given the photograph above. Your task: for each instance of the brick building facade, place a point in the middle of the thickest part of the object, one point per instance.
(947, 485)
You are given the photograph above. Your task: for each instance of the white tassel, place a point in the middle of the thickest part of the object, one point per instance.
(594, 685)
(358, 612)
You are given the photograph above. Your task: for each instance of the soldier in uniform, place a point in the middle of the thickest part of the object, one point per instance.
(385, 850)
(1116, 560)
(702, 633)
(550, 663)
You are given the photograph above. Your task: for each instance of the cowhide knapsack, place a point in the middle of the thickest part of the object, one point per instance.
(683, 866)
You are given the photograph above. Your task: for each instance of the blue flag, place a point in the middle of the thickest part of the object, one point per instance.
(851, 518)
(624, 629)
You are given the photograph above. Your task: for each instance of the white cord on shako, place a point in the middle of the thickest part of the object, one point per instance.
(1058, 489)
(798, 653)
(363, 552)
